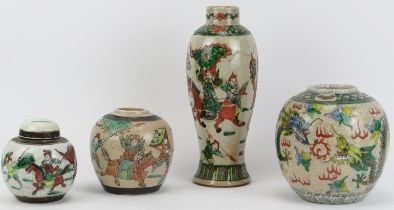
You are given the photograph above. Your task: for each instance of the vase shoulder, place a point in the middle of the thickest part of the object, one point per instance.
(332, 94)
(222, 30)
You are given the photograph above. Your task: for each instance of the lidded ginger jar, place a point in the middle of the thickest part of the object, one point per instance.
(39, 165)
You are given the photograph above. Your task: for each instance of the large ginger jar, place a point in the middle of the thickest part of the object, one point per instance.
(332, 143)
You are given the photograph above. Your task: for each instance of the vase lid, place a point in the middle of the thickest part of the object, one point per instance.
(39, 128)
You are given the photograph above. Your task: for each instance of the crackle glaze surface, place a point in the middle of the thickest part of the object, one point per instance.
(36, 171)
(222, 81)
(131, 152)
(332, 146)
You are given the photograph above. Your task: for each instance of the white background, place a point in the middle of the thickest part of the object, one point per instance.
(74, 61)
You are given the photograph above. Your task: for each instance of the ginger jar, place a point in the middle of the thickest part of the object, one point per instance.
(332, 143)
(131, 151)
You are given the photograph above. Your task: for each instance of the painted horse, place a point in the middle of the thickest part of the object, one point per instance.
(113, 166)
(40, 181)
(128, 169)
(197, 102)
(228, 111)
(139, 169)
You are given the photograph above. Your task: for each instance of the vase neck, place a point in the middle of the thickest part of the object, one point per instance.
(222, 15)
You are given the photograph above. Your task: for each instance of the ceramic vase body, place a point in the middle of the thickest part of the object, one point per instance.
(332, 143)
(38, 168)
(222, 82)
(131, 151)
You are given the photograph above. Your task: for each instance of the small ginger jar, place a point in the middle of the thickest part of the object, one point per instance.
(39, 165)
(332, 143)
(131, 151)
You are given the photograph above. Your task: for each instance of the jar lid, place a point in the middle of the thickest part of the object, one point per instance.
(39, 129)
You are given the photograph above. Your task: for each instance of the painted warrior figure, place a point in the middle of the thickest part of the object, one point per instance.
(95, 144)
(50, 165)
(69, 155)
(11, 168)
(212, 149)
(233, 91)
(210, 100)
(207, 59)
(161, 143)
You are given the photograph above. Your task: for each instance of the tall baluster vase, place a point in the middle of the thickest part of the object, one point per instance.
(222, 81)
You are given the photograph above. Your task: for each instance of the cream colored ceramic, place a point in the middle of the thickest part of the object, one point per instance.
(332, 142)
(131, 151)
(222, 81)
(39, 165)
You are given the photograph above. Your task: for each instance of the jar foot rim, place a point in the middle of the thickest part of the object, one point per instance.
(40, 200)
(331, 199)
(221, 184)
(131, 191)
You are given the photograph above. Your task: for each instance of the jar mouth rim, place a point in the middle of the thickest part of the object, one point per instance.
(223, 7)
(131, 111)
(333, 88)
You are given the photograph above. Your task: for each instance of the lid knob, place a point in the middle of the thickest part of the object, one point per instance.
(39, 129)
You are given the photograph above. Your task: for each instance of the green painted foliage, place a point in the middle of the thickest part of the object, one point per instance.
(25, 160)
(134, 143)
(114, 126)
(367, 159)
(231, 30)
(159, 136)
(209, 55)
